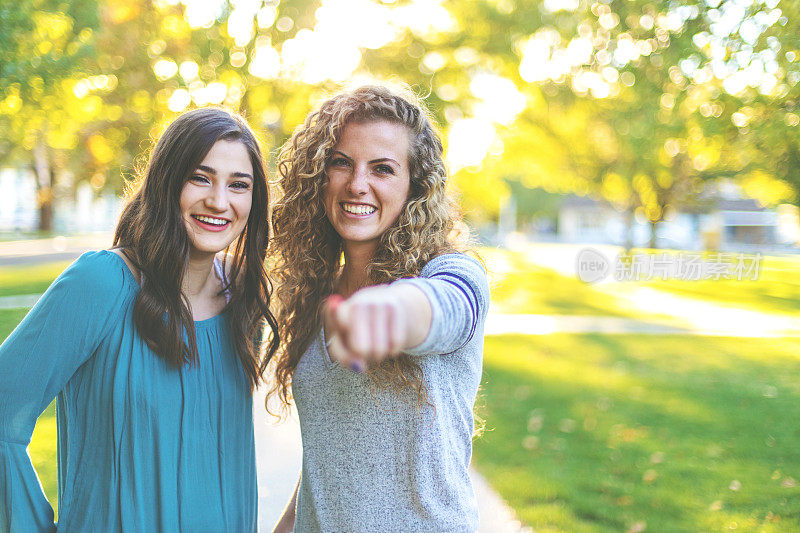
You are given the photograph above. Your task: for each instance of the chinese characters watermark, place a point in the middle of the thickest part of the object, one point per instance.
(593, 266)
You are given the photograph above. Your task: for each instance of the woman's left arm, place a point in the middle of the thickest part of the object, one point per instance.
(435, 313)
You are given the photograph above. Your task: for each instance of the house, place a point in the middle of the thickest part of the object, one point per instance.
(730, 223)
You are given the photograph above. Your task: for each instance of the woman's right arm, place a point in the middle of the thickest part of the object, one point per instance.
(286, 521)
(57, 336)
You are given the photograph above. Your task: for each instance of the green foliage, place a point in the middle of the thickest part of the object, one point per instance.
(762, 121)
(641, 119)
(615, 432)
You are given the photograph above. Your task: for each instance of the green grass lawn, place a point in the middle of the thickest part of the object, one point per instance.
(519, 286)
(776, 290)
(29, 279)
(675, 433)
(43, 443)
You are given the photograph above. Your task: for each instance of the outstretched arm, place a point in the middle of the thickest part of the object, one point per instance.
(434, 313)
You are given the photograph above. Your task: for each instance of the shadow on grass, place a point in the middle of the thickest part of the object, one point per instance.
(608, 433)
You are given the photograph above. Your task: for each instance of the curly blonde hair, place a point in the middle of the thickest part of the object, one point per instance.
(306, 251)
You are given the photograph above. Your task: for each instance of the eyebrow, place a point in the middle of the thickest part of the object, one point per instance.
(379, 160)
(214, 172)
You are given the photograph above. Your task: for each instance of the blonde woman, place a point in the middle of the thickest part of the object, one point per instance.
(381, 321)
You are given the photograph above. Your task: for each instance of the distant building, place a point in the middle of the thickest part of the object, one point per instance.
(17, 200)
(730, 224)
(85, 212)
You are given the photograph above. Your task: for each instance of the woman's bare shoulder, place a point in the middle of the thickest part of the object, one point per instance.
(124, 256)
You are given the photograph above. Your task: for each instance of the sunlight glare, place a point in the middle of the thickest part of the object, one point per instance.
(468, 142)
(266, 62)
(500, 100)
(179, 100)
(202, 13)
(164, 69)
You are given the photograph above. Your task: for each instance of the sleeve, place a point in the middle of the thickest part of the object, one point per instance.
(57, 336)
(458, 290)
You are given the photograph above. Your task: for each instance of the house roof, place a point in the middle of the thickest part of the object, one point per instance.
(738, 204)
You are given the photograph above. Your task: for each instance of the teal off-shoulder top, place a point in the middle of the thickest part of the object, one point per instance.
(142, 446)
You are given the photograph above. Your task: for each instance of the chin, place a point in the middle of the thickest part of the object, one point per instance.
(208, 247)
(360, 238)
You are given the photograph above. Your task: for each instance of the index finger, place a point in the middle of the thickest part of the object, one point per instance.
(329, 308)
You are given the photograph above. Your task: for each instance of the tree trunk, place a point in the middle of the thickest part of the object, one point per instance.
(629, 217)
(44, 186)
(653, 225)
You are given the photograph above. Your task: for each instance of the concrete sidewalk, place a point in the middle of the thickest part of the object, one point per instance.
(60, 248)
(278, 452)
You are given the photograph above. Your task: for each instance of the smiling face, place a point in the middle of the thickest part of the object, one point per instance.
(216, 199)
(368, 180)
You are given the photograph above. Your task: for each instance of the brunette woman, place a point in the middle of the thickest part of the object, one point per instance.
(381, 321)
(152, 350)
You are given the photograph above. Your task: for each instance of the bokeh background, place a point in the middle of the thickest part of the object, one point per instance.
(634, 126)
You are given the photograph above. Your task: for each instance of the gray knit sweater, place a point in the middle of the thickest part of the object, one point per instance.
(373, 461)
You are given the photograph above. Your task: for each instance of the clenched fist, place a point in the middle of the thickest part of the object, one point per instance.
(375, 323)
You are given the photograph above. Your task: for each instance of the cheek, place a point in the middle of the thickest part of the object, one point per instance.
(400, 196)
(244, 205)
(186, 199)
(328, 194)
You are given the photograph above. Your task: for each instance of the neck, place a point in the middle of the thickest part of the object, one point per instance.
(199, 275)
(354, 273)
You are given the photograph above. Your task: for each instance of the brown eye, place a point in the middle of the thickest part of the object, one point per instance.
(240, 185)
(384, 169)
(339, 162)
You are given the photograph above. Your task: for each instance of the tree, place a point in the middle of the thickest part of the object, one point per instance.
(758, 104)
(46, 44)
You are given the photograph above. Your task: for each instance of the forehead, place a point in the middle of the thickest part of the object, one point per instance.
(228, 154)
(375, 135)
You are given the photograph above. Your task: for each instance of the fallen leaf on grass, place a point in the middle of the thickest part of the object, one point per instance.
(638, 527)
(567, 425)
(657, 458)
(530, 442)
(650, 476)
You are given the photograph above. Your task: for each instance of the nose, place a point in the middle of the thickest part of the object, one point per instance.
(217, 198)
(358, 184)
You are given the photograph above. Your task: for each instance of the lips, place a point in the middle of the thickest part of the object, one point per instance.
(211, 223)
(358, 209)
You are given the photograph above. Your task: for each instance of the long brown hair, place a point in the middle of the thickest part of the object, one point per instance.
(307, 251)
(152, 233)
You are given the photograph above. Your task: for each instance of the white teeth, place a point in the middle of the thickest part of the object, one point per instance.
(358, 209)
(211, 220)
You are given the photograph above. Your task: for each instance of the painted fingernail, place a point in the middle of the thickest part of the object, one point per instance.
(356, 366)
(334, 300)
